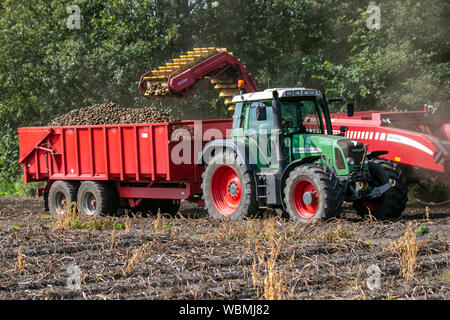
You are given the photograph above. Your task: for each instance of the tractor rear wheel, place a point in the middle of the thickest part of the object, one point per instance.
(312, 193)
(228, 188)
(393, 202)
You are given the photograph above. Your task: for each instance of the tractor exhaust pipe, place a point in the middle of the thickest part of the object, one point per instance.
(278, 155)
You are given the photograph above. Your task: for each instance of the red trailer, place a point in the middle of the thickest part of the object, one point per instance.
(123, 164)
(418, 141)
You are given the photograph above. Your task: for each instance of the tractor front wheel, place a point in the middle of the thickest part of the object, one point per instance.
(312, 193)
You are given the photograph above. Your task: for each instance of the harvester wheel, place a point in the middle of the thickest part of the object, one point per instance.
(61, 196)
(312, 193)
(228, 188)
(393, 202)
(96, 198)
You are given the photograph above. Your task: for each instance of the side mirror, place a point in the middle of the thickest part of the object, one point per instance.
(350, 109)
(343, 130)
(261, 114)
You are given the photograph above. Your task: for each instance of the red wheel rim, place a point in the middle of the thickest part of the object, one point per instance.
(306, 200)
(225, 190)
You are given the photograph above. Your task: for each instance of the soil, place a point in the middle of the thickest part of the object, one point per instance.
(111, 113)
(191, 256)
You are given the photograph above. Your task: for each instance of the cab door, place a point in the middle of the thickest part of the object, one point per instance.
(258, 131)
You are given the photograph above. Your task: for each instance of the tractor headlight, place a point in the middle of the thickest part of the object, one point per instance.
(366, 161)
(350, 161)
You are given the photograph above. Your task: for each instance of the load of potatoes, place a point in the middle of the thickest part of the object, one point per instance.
(111, 113)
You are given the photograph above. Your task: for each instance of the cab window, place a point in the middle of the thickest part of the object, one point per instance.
(253, 123)
(301, 114)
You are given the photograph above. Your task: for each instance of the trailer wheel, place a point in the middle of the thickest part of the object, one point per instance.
(96, 198)
(228, 188)
(61, 196)
(393, 202)
(312, 193)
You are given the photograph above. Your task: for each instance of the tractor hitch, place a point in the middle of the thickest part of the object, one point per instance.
(378, 191)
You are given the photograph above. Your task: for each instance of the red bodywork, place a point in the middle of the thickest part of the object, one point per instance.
(136, 156)
(413, 139)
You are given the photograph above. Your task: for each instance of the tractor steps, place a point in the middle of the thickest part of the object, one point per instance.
(261, 190)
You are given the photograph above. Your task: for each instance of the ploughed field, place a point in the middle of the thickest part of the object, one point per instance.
(191, 256)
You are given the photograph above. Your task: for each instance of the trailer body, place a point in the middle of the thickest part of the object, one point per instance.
(134, 157)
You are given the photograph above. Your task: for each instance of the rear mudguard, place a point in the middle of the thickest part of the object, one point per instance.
(240, 147)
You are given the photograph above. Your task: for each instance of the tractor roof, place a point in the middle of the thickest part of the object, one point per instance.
(282, 93)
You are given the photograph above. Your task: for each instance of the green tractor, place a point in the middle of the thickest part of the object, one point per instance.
(282, 155)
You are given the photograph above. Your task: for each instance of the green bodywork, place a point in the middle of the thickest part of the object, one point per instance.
(319, 145)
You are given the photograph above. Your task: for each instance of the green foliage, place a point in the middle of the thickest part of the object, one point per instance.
(19, 188)
(433, 235)
(421, 229)
(168, 224)
(96, 224)
(47, 69)
(429, 191)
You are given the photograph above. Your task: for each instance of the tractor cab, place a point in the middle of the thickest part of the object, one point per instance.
(304, 128)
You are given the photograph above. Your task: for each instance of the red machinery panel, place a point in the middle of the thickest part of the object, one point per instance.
(410, 138)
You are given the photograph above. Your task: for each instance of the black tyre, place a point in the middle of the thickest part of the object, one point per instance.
(393, 202)
(228, 188)
(62, 196)
(45, 196)
(312, 193)
(96, 198)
